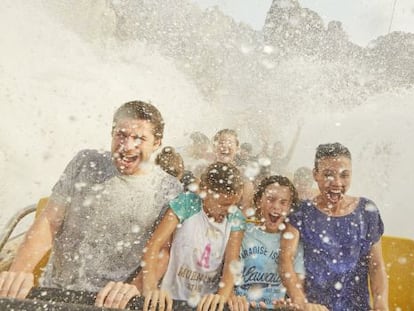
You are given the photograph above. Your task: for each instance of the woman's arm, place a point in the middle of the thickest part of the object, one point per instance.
(378, 278)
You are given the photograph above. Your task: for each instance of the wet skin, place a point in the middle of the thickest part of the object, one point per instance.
(133, 142)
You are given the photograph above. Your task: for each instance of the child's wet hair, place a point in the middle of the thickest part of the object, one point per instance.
(139, 110)
(222, 178)
(331, 150)
(170, 161)
(280, 180)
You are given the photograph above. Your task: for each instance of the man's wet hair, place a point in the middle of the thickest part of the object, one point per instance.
(228, 132)
(276, 179)
(222, 178)
(331, 150)
(140, 110)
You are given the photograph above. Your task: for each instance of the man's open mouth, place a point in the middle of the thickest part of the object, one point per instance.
(128, 158)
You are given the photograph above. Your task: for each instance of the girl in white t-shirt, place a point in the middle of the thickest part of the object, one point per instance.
(206, 231)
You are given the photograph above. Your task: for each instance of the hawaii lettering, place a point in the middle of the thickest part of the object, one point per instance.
(252, 275)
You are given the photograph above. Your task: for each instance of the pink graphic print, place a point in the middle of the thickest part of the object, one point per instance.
(204, 261)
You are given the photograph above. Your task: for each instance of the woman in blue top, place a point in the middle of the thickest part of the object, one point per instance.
(341, 240)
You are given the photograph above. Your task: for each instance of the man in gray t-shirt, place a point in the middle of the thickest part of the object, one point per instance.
(101, 212)
(108, 219)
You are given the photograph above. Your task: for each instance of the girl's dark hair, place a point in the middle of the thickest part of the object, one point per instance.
(331, 150)
(282, 181)
(140, 110)
(170, 161)
(222, 178)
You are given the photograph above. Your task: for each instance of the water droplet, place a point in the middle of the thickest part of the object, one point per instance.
(232, 209)
(338, 285)
(370, 207)
(288, 235)
(249, 212)
(194, 299)
(255, 293)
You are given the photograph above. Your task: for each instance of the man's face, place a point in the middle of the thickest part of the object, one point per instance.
(225, 148)
(133, 142)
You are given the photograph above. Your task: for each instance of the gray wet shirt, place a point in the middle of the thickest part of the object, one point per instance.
(108, 219)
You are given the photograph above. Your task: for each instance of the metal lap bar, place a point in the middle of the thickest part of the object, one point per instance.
(53, 298)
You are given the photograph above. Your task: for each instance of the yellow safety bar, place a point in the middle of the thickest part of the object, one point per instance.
(398, 255)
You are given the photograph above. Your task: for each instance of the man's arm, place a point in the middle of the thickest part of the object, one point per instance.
(18, 281)
(378, 278)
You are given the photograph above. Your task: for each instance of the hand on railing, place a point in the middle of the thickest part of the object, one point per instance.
(52, 299)
(116, 295)
(15, 284)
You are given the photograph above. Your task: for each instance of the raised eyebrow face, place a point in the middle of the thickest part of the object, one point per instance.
(271, 197)
(226, 139)
(283, 193)
(342, 171)
(127, 132)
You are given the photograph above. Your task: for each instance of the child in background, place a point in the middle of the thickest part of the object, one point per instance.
(303, 182)
(172, 163)
(274, 199)
(225, 148)
(206, 229)
(341, 237)
(197, 156)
